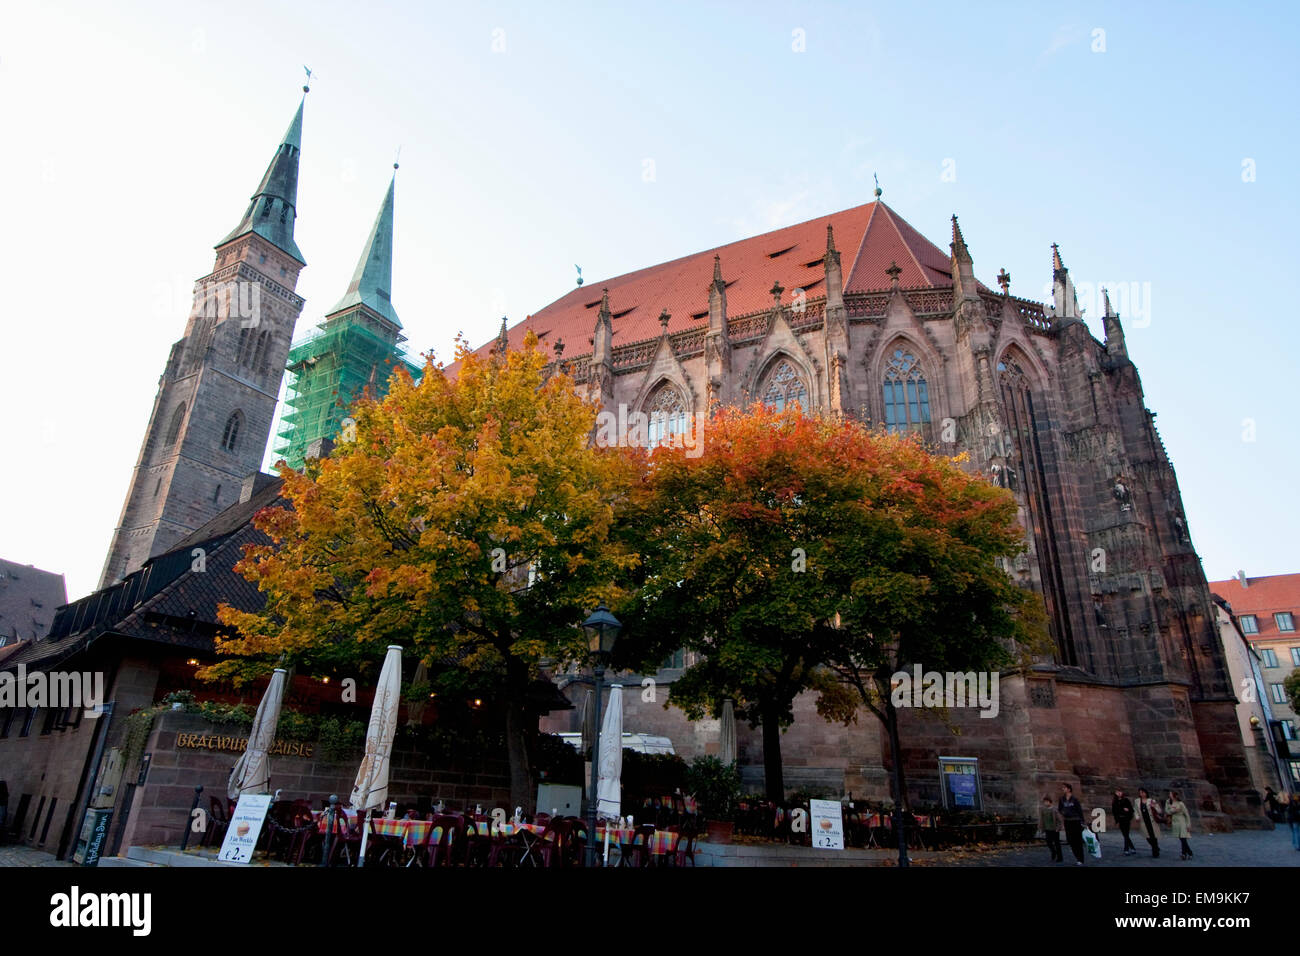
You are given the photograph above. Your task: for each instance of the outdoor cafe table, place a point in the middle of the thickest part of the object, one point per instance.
(412, 832)
(661, 841)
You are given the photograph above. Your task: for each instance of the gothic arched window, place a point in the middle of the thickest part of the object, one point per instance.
(174, 429)
(667, 413)
(907, 396)
(260, 356)
(245, 346)
(785, 387)
(230, 436)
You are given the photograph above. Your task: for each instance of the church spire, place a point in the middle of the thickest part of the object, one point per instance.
(373, 278)
(274, 206)
(1064, 300)
(963, 269)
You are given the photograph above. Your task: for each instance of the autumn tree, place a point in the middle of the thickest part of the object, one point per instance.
(920, 571)
(467, 519)
(737, 545)
(803, 553)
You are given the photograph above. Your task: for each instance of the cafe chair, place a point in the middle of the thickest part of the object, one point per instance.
(447, 829)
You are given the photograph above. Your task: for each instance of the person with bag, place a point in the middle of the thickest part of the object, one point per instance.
(1072, 819)
(1180, 821)
(1148, 817)
(1049, 821)
(1121, 808)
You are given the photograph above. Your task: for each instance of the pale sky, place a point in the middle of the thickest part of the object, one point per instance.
(1157, 147)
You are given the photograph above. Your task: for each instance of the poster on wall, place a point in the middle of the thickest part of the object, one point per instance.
(827, 824)
(961, 783)
(245, 827)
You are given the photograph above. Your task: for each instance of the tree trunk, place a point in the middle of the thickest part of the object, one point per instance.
(773, 779)
(522, 789)
(897, 782)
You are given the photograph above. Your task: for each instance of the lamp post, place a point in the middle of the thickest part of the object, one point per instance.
(602, 631)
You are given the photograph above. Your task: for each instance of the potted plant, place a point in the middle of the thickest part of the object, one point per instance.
(716, 787)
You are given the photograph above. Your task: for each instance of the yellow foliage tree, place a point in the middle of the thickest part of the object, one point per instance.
(468, 519)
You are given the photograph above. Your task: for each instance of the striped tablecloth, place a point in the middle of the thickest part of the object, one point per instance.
(412, 832)
(661, 841)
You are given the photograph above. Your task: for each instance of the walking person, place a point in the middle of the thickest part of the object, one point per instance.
(1071, 811)
(1180, 821)
(1148, 817)
(1121, 808)
(1293, 818)
(1049, 821)
(1273, 808)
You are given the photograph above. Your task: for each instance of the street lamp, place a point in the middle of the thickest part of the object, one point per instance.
(602, 631)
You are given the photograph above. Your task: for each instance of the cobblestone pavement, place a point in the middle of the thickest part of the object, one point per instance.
(27, 856)
(1242, 848)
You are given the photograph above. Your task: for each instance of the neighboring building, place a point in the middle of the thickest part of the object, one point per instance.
(896, 332)
(216, 399)
(358, 346)
(1254, 713)
(146, 635)
(28, 600)
(1266, 610)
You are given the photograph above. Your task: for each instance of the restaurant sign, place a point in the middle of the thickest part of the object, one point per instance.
(827, 824)
(282, 748)
(245, 827)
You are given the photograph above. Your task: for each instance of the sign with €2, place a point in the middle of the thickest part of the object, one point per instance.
(827, 824)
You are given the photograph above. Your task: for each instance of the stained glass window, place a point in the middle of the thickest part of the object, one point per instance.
(907, 395)
(785, 387)
(667, 414)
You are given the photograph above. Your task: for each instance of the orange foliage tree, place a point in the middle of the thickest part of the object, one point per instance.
(800, 552)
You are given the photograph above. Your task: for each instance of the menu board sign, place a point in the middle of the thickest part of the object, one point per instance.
(827, 824)
(245, 827)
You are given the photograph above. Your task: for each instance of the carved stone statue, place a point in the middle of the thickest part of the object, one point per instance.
(1123, 495)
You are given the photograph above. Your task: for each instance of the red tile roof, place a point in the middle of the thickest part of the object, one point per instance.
(1264, 596)
(869, 238)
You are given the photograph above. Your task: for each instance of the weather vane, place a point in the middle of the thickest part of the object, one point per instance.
(878, 189)
(306, 87)
(397, 157)
(579, 268)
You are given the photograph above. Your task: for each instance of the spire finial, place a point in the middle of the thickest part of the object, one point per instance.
(776, 291)
(1004, 280)
(503, 339)
(1058, 265)
(830, 238)
(1108, 312)
(579, 268)
(664, 319)
(893, 272)
(306, 87)
(717, 268)
(396, 157)
(879, 191)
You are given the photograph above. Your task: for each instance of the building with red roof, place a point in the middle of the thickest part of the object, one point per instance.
(858, 314)
(1264, 611)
